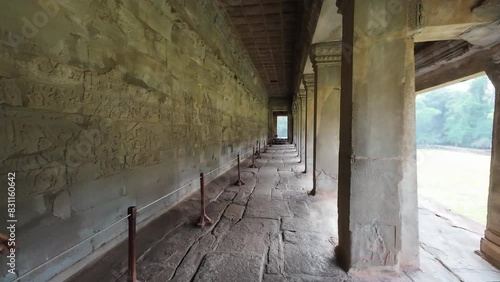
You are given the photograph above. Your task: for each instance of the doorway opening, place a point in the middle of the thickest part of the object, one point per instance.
(282, 127)
(454, 138)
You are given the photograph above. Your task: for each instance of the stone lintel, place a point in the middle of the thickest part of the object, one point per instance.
(449, 19)
(326, 54)
(487, 9)
(309, 81)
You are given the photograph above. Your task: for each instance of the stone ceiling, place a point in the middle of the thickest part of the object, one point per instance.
(268, 31)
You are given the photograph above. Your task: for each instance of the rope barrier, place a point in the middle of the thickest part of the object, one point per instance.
(210, 172)
(165, 196)
(120, 220)
(70, 249)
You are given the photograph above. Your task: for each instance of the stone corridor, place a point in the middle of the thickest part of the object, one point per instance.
(270, 230)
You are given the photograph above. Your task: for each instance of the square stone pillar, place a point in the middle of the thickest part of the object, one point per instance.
(298, 114)
(294, 123)
(303, 106)
(490, 244)
(309, 85)
(377, 194)
(326, 59)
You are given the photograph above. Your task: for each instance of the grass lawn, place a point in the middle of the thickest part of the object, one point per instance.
(456, 180)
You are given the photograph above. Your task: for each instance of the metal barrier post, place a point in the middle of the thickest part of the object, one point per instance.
(258, 152)
(253, 159)
(239, 182)
(132, 266)
(204, 219)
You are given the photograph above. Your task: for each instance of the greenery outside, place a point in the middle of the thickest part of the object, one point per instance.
(461, 116)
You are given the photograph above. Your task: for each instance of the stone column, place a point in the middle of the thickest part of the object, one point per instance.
(490, 244)
(275, 125)
(309, 156)
(294, 123)
(297, 128)
(303, 107)
(377, 194)
(326, 58)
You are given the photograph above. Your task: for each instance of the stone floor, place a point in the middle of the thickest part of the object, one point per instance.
(271, 230)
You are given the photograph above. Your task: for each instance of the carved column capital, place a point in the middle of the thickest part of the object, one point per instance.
(309, 82)
(326, 54)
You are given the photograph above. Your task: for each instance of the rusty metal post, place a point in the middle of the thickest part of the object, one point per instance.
(253, 159)
(204, 219)
(132, 266)
(239, 182)
(258, 152)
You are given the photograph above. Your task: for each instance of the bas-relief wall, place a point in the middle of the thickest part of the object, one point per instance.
(110, 104)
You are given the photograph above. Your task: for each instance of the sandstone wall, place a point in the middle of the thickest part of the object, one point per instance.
(108, 104)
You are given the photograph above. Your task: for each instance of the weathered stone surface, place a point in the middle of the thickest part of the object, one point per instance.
(304, 278)
(192, 260)
(294, 195)
(276, 194)
(264, 208)
(286, 175)
(275, 256)
(309, 128)
(242, 198)
(490, 244)
(263, 192)
(326, 58)
(61, 207)
(299, 209)
(309, 253)
(230, 267)
(250, 235)
(377, 172)
(234, 212)
(295, 224)
(227, 196)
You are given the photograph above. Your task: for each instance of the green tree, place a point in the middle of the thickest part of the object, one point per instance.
(426, 116)
(459, 118)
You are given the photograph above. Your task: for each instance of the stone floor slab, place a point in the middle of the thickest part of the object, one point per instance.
(234, 212)
(311, 254)
(218, 267)
(263, 208)
(250, 235)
